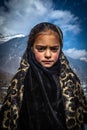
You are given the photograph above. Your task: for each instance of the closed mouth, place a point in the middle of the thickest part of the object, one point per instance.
(47, 61)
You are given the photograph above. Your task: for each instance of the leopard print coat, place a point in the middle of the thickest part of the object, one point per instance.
(74, 99)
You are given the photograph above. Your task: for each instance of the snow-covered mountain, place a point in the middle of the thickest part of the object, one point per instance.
(9, 37)
(11, 53)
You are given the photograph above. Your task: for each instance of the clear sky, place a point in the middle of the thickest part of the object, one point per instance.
(19, 16)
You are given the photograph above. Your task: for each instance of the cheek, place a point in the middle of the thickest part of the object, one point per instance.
(38, 56)
(56, 56)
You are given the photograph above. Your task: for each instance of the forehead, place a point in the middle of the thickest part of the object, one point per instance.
(48, 32)
(46, 37)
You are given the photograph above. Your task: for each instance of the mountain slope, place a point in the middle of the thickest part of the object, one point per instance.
(11, 53)
(79, 67)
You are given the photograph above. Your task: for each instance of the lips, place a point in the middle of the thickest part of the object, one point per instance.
(47, 62)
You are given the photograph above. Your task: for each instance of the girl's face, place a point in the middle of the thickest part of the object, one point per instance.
(47, 48)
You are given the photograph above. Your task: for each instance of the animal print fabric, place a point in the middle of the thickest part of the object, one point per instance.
(73, 97)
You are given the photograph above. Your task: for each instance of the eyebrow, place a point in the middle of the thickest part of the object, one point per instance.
(55, 47)
(46, 46)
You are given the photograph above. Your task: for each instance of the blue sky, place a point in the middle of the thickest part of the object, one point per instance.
(19, 16)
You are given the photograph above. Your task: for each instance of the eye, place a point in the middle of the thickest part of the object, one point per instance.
(54, 49)
(40, 48)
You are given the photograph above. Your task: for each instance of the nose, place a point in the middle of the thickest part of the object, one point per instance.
(48, 53)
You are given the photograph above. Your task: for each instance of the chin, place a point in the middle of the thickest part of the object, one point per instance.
(47, 66)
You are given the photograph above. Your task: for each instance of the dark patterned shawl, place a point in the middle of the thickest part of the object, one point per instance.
(74, 100)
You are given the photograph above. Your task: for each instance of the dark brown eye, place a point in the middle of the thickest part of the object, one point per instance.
(40, 48)
(54, 49)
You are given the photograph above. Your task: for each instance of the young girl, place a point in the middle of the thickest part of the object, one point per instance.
(45, 93)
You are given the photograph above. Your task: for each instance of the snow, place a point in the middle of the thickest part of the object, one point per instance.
(7, 38)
